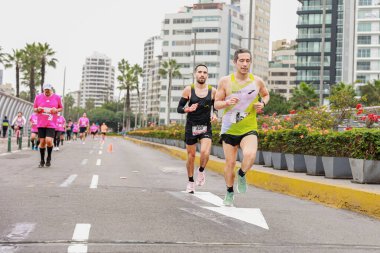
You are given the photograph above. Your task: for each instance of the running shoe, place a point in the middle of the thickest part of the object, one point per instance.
(190, 188)
(241, 183)
(229, 199)
(201, 178)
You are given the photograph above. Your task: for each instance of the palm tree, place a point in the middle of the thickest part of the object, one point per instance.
(2, 55)
(15, 59)
(127, 81)
(137, 73)
(170, 69)
(304, 97)
(46, 54)
(371, 93)
(31, 63)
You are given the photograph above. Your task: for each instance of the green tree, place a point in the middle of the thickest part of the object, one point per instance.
(90, 104)
(2, 56)
(127, 81)
(170, 69)
(46, 54)
(277, 104)
(304, 97)
(15, 59)
(68, 103)
(137, 73)
(114, 106)
(25, 95)
(342, 99)
(371, 93)
(31, 62)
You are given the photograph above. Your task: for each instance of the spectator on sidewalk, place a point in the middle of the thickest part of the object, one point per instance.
(5, 125)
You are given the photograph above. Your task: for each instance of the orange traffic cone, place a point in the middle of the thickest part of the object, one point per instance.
(110, 148)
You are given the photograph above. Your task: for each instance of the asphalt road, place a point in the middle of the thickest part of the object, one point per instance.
(132, 200)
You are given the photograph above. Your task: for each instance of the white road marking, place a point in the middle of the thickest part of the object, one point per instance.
(94, 182)
(98, 162)
(100, 152)
(249, 215)
(69, 180)
(21, 231)
(135, 171)
(91, 151)
(81, 234)
(84, 162)
(173, 170)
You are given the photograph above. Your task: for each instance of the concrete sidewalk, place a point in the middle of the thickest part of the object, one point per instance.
(14, 146)
(361, 198)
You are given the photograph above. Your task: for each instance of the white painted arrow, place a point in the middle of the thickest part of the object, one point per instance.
(249, 215)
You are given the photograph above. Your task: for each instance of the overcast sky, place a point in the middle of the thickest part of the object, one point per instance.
(117, 28)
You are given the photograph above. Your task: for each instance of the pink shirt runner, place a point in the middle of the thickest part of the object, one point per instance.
(60, 123)
(93, 129)
(75, 128)
(83, 122)
(33, 122)
(46, 119)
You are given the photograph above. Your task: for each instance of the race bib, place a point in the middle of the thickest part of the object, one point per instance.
(238, 116)
(200, 129)
(47, 111)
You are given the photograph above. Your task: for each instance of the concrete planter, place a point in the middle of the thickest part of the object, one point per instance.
(279, 162)
(365, 171)
(314, 165)
(295, 162)
(240, 155)
(337, 167)
(259, 158)
(218, 151)
(198, 147)
(267, 155)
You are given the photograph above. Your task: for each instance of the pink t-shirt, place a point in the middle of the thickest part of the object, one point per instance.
(45, 119)
(33, 122)
(60, 123)
(83, 122)
(94, 128)
(76, 128)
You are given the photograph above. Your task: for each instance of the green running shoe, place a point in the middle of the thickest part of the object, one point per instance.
(241, 184)
(229, 199)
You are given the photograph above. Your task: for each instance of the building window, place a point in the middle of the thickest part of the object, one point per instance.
(364, 27)
(365, 2)
(205, 18)
(206, 30)
(165, 43)
(166, 32)
(167, 21)
(279, 74)
(364, 52)
(364, 40)
(364, 65)
(182, 21)
(181, 32)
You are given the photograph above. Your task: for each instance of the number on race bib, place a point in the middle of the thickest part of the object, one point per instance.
(200, 129)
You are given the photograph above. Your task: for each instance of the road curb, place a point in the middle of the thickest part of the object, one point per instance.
(361, 201)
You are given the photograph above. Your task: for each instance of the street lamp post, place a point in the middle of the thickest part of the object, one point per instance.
(249, 38)
(322, 74)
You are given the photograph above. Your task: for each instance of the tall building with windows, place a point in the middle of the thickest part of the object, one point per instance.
(98, 80)
(339, 22)
(282, 72)
(257, 40)
(151, 79)
(367, 48)
(207, 33)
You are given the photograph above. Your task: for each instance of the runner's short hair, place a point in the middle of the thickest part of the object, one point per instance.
(241, 51)
(200, 65)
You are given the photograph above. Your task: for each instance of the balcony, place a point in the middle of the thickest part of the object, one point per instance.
(314, 8)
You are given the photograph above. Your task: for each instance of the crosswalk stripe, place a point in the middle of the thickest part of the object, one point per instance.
(80, 235)
(69, 180)
(94, 182)
(99, 162)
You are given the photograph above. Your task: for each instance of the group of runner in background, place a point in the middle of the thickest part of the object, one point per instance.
(67, 130)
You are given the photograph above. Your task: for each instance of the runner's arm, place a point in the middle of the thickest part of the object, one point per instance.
(183, 101)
